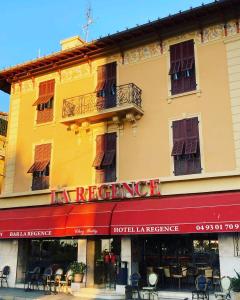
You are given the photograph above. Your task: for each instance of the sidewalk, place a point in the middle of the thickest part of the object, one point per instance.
(20, 294)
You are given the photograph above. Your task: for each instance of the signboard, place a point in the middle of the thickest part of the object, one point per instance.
(112, 191)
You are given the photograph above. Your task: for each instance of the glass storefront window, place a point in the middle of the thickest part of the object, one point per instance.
(44, 253)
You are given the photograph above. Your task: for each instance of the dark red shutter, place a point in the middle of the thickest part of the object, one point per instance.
(45, 101)
(188, 66)
(40, 168)
(42, 152)
(192, 150)
(109, 162)
(100, 151)
(183, 78)
(175, 62)
(110, 89)
(179, 138)
(100, 89)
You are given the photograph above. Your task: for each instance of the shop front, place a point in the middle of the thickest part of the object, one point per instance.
(178, 237)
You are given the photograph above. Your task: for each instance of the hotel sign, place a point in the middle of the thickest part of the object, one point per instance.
(112, 191)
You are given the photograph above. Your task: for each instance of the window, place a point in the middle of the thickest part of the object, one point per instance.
(3, 127)
(44, 103)
(106, 86)
(105, 160)
(186, 149)
(40, 167)
(182, 67)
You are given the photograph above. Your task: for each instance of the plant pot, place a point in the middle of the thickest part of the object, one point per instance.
(79, 278)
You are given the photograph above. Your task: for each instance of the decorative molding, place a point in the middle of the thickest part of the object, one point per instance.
(138, 54)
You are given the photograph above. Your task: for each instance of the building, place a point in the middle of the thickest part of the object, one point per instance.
(3, 134)
(129, 143)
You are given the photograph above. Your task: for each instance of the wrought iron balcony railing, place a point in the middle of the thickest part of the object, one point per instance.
(99, 101)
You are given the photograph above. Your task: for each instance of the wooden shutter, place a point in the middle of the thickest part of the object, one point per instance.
(46, 92)
(100, 151)
(101, 84)
(110, 89)
(110, 149)
(175, 68)
(109, 162)
(188, 66)
(182, 67)
(44, 102)
(42, 158)
(179, 139)
(192, 149)
(42, 152)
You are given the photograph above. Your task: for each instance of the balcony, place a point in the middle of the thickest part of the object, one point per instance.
(121, 102)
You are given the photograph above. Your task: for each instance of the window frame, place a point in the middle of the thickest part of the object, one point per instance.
(200, 141)
(171, 94)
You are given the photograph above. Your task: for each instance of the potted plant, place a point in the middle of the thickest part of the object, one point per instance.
(78, 270)
(235, 285)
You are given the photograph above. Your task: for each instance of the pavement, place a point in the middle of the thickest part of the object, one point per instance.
(20, 294)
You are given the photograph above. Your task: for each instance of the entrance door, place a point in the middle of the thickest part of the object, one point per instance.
(107, 255)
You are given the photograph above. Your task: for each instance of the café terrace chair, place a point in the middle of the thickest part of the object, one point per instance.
(4, 275)
(66, 280)
(179, 274)
(55, 280)
(201, 288)
(151, 289)
(32, 279)
(134, 280)
(45, 280)
(225, 285)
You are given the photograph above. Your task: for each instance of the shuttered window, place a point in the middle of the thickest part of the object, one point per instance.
(44, 103)
(186, 150)
(182, 67)
(105, 160)
(40, 167)
(106, 86)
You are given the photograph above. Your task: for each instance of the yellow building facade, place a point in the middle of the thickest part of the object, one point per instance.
(3, 133)
(147, 113)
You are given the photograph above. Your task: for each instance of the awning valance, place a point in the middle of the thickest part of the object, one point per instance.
(204, 213)
(90, 219)
(33, 222)
(56, 221)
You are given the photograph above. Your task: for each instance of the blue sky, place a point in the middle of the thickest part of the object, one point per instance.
(30, 26)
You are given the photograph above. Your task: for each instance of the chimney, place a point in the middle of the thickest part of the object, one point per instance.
(72, 42)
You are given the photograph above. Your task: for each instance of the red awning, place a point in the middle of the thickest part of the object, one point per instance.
(56, 221)
(180, 214)
(90, 219)
(34, 222)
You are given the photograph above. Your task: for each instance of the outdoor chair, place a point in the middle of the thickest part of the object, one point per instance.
(151, 289)
(225, 285)
(201, 290)
(216, 280)
(167, 276)
(66, 280)
(45, 280)
(4, 275)
(56, 279)
(32, 279)
(133, 288)
(179, 274)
